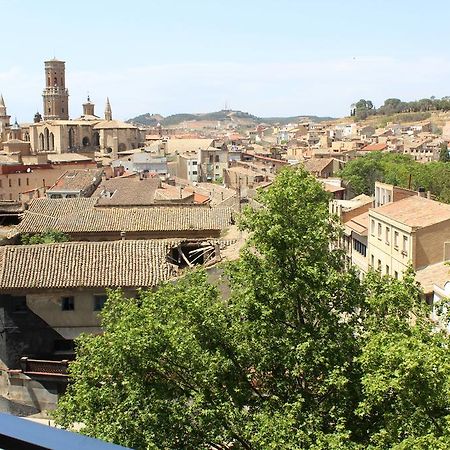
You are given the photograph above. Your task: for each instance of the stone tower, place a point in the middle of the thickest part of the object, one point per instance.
(4, 118)
(55, 95)
(108, 112)
(88, 108)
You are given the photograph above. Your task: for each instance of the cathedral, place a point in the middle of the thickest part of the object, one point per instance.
(55, 132)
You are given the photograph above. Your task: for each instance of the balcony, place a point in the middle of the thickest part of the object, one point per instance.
(44, 368)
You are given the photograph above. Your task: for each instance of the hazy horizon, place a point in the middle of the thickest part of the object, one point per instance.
(285, 59)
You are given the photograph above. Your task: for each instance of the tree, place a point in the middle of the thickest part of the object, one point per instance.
(443, 154)
(46, 237)
(299, 355)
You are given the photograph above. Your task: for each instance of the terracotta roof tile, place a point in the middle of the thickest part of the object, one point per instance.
(126, 263)
(78, 215)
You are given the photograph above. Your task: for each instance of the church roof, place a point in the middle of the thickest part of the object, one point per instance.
(113, 124)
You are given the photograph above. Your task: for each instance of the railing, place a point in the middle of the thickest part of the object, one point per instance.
(44, 367)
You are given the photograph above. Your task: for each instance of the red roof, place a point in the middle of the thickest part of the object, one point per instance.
(374, 147)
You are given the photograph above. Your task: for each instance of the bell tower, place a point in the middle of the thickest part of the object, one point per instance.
(55, 95)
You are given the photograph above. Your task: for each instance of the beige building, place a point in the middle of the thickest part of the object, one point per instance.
(414, 231)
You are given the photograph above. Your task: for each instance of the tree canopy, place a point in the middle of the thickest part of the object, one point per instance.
(295, 353)
(361, 174)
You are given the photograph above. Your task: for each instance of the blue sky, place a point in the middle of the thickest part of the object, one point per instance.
(268, 58)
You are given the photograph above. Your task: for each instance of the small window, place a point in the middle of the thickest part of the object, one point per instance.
(379, 230)
(396, 275)
(194, 172)
(372, 227)
(99, 301)
(387, 270)
(379, 265)
(396, 239)
(372, 261)
(28, 182)
(387, 235)
(19, 181)
(217, 158)
(194, 163)
(405, 244)
(67, 304)
(9, 182)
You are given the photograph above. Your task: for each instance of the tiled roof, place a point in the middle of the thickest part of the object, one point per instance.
(76, 180)
(415, 211)
(78, 215)
(374, 147)
(317, 164)
(125, 263)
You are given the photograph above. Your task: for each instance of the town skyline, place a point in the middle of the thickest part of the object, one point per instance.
(173, 58)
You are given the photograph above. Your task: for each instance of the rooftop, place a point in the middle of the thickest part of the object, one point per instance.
(78, 215)
(433, 274)
(76, 180)
(124, 263)
(415, 212)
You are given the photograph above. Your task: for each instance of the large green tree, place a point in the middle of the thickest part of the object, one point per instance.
(296, 353)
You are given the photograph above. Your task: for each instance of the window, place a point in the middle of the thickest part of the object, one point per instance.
(28, 182)
(217, 158)
(372, 227)
(405, 245)
(379, 231)
(379, 265)
(396, 275)
(372, 260)
(396, 239)
(194, 163)
(99, 301)
(9, 182)
(359, 247)
(194, 172)
(19, 181)
(67, 304)
(387, 270)
(387, 235)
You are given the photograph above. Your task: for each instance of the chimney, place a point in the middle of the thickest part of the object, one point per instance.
(421, 192)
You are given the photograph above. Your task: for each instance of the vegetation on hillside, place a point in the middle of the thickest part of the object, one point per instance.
(365, 108)
(400, 170)
(220, 116)
(300, 355)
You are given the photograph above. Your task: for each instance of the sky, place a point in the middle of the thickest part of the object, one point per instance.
(268, 58)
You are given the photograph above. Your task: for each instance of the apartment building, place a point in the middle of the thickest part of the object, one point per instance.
(414, 231)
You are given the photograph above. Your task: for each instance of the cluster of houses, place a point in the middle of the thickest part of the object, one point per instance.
(138, 206)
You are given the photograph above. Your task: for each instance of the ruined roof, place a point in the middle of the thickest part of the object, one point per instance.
(78, 215)
(415, 211)
(125, 263)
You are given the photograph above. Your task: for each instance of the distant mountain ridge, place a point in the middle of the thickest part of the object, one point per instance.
(225, 115)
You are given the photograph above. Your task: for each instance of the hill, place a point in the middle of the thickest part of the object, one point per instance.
(239, 117)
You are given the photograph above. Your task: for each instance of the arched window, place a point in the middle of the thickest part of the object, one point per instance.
(51, 146)
(71, 138)
(41, 141)
(46, 139)
(85, 141)
(96, 139)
